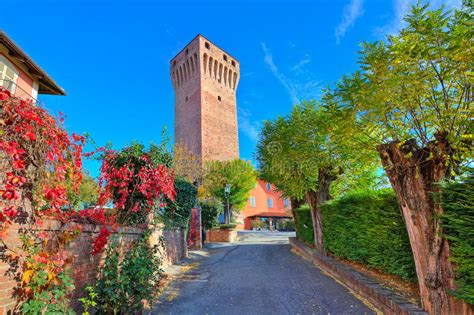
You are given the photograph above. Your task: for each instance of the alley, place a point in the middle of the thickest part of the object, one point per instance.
(258, 275)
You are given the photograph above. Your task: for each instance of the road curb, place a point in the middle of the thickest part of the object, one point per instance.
(381, 297)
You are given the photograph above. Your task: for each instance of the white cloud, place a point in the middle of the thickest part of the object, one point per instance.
(301, 85)
(301, 63)
(351, 12)
(402, 8)
(268, 58)
(249, 127)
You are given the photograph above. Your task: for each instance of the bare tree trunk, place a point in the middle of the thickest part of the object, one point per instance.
(413, 174)
(315, 199)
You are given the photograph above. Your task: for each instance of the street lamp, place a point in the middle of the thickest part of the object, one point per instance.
(227, 208)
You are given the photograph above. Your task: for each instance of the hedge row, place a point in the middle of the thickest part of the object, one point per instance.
(365, 227)
(458, 226)
(304, 225)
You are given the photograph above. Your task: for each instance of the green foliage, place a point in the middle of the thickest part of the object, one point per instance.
(87, 195)
(229, 226)
(365, 227)
(458, 226)
(177, 213)
(211, 208)
(285, 225)
(368, 227)
(304, 224)
(238, 173)
(293, 150)
(259, 224)
(124, 285)
(52, 301)
(417, 84)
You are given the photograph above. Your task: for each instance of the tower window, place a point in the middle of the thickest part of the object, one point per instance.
(225, 57)
(186, 98)
(207, 45)
(219, 98)
(233, 63)
(174, 63)
(187, 51)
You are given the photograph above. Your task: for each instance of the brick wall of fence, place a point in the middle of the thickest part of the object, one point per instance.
(86, 266)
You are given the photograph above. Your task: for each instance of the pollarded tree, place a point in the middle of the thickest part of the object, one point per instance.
(414, 97)
(302, 154)
(241, 176)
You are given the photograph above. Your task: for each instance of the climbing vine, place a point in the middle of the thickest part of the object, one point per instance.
(39, 165)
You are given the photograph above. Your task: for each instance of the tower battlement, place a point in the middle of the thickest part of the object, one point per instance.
(205, 79)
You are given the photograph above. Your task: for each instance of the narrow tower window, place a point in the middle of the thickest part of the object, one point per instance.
(219, 98)
(225, 57)
(207, 45)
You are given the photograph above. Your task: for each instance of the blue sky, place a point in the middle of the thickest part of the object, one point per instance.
(112, 57)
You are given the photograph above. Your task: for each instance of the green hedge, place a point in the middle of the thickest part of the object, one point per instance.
(304, 224)
(458, 226)
(211, 209)
(365, 227)
(178, 212)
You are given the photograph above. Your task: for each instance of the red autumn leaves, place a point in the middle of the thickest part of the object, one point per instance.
(39, 158)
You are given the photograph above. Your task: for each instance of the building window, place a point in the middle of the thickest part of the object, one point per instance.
(286, 202)
(233, 63)
(8, 74)
(207, 45)
(269, 186)
(252, 202)
(225, 57)
(186, 98)
(219, 98)
(270, 202)
(174, 63)
(187, 52)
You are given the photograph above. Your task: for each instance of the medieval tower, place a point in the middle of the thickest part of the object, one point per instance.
(205, 79)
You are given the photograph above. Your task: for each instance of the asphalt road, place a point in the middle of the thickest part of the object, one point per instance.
(258, 275)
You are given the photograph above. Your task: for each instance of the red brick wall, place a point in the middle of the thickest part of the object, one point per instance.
(205, 100)
(85, 265)
(221, 235)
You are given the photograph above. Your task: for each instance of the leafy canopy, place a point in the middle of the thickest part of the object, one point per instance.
(238, 173)
(293, 149)
(417, 84)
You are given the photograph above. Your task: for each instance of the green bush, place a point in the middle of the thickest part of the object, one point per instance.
(210, 211)
(285, 225)
(124, 285)
(368, 227)
(458, 226)
(178, 212)
(229, 226)
(304, 225)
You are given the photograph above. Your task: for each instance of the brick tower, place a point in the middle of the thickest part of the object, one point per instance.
(205, 80)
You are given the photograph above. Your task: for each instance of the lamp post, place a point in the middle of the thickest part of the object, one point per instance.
(227, 208)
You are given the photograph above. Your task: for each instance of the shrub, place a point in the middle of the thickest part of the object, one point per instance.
(304, 224)
(229, 226)
(458, 225)
(210, 211)
(177, 213)
(285, 225)
(124, 285)
(259, 224)
(368, 227)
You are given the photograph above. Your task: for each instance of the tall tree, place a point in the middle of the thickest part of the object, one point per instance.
(414, 96)
(239, 174)
(302, 154)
